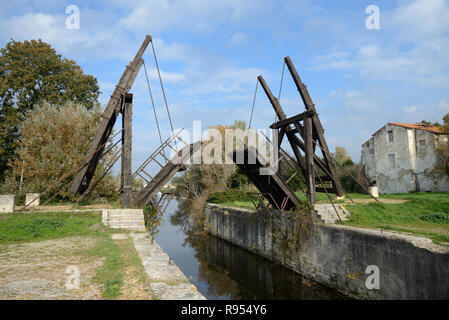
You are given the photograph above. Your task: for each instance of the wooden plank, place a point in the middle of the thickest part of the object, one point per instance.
(281, 115)
(288, 121)
(138, 173)
(310, 181)
(310, 106)
(107, 121)
(127, 151)
(329, 190)
(323, 178)
(266, 184)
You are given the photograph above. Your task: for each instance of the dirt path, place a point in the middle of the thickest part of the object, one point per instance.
(364, 201)
(37, 270)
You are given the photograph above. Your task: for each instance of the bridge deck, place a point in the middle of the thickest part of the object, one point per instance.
(166, 173)
(158, 182)
(280, 195)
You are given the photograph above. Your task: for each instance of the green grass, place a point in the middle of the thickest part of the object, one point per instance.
(27, 227)
(239, 204)
(422, 214)
(119, 255)
(323, 198)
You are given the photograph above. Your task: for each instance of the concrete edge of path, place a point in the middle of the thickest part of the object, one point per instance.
(167, 280)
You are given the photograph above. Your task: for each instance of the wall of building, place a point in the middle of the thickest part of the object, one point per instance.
(414, 161)
(369, 159)
(338, 256)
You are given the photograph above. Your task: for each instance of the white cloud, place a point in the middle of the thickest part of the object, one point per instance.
(92, 39)
(411, 109)
(195, 15)
(420, 19)
(239, 38)
(413, 47)
(171, 77)
(444, 105)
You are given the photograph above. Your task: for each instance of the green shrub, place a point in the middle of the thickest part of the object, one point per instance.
(436, 217)
(237, 180)
(39, 226)
(153, 219)
(230, 195)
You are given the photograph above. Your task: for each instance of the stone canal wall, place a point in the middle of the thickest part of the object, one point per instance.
(344, 258)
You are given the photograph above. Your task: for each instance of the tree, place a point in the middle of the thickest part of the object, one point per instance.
(55, 140)
(200, 180)
(31, 72)
(442, 148)
(341, 156)
(445, 126)
(237, 180)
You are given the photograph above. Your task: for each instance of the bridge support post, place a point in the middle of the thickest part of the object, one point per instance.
(126, 175)
(310, 177)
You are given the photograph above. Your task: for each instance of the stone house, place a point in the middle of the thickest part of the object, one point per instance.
(400, 158)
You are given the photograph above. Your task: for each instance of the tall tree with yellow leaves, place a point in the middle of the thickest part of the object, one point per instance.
(31, 72)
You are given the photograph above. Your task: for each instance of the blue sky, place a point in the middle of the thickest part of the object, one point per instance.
(211, 52)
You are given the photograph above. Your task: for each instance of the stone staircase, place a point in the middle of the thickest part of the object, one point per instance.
(325, 213)
(128, 219)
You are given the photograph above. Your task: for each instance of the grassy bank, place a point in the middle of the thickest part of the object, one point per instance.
(235, 199)
(120, 261)
(425, 214)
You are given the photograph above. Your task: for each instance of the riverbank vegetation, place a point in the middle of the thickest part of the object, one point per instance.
(49, 112)
(201, 181)
(421, 214)
(424, 214)
(108, 265)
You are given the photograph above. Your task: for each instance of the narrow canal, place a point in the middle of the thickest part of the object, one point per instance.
(221, 270)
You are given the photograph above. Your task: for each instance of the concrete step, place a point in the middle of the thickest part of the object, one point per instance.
(130, 228)
(326, 213)
(126, 217)
(126, 223)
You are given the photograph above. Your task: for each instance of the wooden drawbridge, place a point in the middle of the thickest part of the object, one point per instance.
(271, 186)
(167, 171)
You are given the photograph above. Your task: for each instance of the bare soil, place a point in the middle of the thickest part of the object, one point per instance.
(37, 270)
(363, 201)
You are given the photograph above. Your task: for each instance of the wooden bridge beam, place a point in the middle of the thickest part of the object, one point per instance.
(318, 128)
(126, 181)
(84, 176)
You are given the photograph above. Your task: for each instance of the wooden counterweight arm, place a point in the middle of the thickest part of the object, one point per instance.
(83, 178)
(317, 126)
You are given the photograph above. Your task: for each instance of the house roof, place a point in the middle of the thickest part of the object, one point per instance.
(418, 126)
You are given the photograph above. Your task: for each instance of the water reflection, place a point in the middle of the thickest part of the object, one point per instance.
(221, 270)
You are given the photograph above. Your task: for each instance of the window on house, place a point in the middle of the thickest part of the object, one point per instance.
(391, 161)
(371, 151)
(390, 136)
(422, 142)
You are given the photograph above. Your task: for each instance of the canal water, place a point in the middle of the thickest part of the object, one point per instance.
(221, 270)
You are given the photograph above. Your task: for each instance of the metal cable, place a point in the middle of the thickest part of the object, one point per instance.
(152, 103)
(162, 87)
(280, 90)
(254, 102)
(282, 81)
